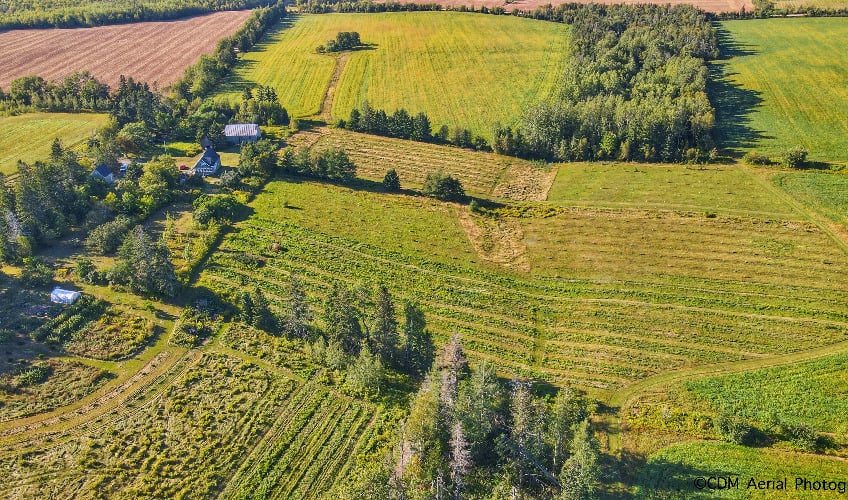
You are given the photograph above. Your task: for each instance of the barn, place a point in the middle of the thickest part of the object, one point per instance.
(209, 163)
(238, 133)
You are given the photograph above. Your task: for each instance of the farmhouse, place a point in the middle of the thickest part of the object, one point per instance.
(209, 163)
(238, 133)
(105, 173)
(61, 296)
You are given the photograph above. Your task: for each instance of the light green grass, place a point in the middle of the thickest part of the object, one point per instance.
(812, 392)
(461, 69)
(29, 137)
(671, 473)
(798, 68)
(819, 4)
(724, 189)
(823, 192)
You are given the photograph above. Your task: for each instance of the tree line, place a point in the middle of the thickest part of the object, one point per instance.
(469, 434)
(25, 14)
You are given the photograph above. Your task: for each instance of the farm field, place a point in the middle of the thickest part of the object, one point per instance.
(150, 51)
(790, 87)
(529, 5)
(670, 473)
(481, 174)
(819, 191)
(726, 189)
(812, 392)
(588, 312)
(412, 62)
(28, 137)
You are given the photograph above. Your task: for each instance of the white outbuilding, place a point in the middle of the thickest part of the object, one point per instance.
(61, 296)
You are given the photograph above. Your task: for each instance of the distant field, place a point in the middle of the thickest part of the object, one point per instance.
(707, 5)
(812, 392)
(825, 193)
(150, 51)
(29, 137)
(797, 68)
(671, 473)
(721, 189)
(461, 69)
(481, 174)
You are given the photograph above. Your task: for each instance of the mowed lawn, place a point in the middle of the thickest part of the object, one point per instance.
(799, 69)
(29, 137)
(461, 69)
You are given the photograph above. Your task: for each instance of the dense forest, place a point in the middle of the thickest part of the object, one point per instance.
(61, 14)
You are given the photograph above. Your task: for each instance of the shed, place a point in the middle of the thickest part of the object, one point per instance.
(238, 133)
(105, 173)
(61, 296)
(209, 163)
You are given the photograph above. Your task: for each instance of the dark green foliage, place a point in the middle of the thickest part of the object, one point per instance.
(262, 107)
(365, 373)
(333, 164)
(230, 179)
(296, 324)
(71, 320)
(384, 330)
(262, 317)
(341, 318)
(193, 327)
(76, 92)
(345, 40)
(581, 473)
(218, 207)
(391, 181)
(36, 272)
(107, 237)
(144, 266)
(418, 350)
(258, 158)
(801, 435)
(755, 158)
(733, 428)
(794, 157)
(85, 270)
(443, 187)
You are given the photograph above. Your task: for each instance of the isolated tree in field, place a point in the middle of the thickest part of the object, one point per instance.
(391, 181)
(263, 318)
(297, 323)
(794, 157)
(443, 187)
(581, 473)
(245, 305)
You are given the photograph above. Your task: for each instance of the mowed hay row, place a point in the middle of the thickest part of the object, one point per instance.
(478, 172)
(463, 70)
(189, 436)
(28, 137)
(148, 51)
(630, 244)
(792, 72)
(600, 334)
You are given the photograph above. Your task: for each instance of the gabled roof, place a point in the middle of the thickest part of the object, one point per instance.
(241, 130)
(210, 156)
(102, 171)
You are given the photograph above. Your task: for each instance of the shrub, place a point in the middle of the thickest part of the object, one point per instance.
(733, 428)
(86, 271)
(107, 237)
(802, 436)
(794, 157)
(36, 272)
(755, 158)
(391, 182)
(443, 187)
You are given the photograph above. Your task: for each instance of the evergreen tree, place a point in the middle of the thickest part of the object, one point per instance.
(263, 318)
(245, 308)
(145, 265)
(365, 374)
(419, 350)
(391, 181)
(581, 473)
(341, 319)
(384, 336)
(297, 323)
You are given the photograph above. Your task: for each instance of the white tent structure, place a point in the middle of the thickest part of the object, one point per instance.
(60, 296)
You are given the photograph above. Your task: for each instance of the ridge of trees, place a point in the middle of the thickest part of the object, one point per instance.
(59, 14)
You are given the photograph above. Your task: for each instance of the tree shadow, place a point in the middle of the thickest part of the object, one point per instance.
(733, 103)
(667, 480)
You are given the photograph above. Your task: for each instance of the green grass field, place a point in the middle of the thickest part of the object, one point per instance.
(813, 392)
(28, 137)
(671, 473)
(792, 73)
(461, 69)
(822, 192)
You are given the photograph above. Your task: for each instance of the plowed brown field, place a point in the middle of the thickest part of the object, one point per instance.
(707, 5)
(149, 51)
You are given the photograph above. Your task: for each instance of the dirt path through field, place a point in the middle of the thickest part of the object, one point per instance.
(326, 112)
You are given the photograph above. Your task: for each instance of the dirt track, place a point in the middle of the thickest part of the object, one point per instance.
(150, 51)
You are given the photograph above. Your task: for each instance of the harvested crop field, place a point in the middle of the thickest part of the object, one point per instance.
(151, 51)
(707, 5)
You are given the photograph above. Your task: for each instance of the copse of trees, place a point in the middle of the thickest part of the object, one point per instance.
(345, 40)
(443, 187)
(333, 164)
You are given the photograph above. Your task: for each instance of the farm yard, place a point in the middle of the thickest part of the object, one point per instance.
(28, 137)
(410, 63)
(149, 52)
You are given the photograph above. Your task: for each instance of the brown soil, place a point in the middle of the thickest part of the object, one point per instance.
(150, 51)
(525, 182)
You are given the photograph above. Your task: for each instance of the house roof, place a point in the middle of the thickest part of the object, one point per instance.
(241, 130)
(102, 171)
(210, 156)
